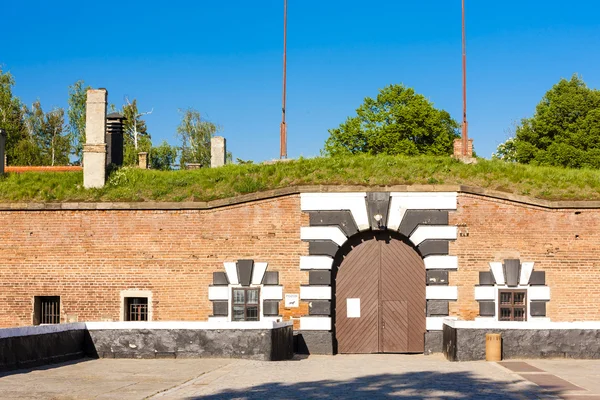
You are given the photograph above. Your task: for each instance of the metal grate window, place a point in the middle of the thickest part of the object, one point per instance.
(136, 309)
(245, 304)
(46, 310)
(512, 305)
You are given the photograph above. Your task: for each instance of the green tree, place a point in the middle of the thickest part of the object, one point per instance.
(398, 121)
(163, 157)
(76, 114)
(136, 138)
(195, 134)
(11, 117)
(565, 129)
(48, 142)
(506, 151)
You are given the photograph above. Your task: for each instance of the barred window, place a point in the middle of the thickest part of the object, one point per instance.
(46, 310)
(245, 304)
(136, 309)
(512, 305)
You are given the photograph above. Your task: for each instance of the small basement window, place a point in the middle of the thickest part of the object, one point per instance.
(245, 304)
(136, 309)
(512, 305)
(46, 310)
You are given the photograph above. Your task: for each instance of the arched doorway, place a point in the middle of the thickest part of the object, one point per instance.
(379, 295)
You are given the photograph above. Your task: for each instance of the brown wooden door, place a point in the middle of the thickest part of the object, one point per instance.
(387, 278)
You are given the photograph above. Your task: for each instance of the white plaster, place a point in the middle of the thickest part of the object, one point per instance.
(271, 319)
(526, 269)
(354, 202)
(231, 271)
(218, 319)
(441, 262)
(435, 323)
(40, 329)
(200, 325)
(485, 292)
(315, 262)
(258, 272)
(323, 233)
(218, 292)
(315, 292)
(400, 202)
(498, 272)
(542, 323)
(426, 232)
(538, 293)
(272, 293)
(315, 323)
(441, 292)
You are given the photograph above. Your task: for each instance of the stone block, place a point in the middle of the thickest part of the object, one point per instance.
(486, 278)
(538, 309)
(220, 279)
(313, 342)
(318, 277)
(512, 270)
(220, 308)
(435, 277)
(433, 342)
(319, 307)
(437, 308)
(245, 268)
(271, 278)
(271, 308)
(537, 278)
(218, 151)
(94, 169)
(487, 308)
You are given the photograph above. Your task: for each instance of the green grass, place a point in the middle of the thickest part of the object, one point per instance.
(209, 184)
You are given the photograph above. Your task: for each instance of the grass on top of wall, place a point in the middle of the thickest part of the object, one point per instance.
(132, 185)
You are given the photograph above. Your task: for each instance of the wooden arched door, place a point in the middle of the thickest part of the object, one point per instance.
(380, 297)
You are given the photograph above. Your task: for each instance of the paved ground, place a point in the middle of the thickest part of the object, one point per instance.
(320, 377)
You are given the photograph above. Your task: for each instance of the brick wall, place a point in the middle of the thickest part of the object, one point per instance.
(564, 243)
(89, 257)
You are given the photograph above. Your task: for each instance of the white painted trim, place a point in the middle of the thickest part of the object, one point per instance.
(534, 324)
(315, 292)
(231, 271)
(40, 329)
(401, 202)
(427, 232)
(199, 325)
(323, 233)
(526, 269)
(315, 262)
(498, 272)
(441, 262)
(538, 293)
(441, 292)
(315, 323)
(354, 202)
(485, 293)
(218, 319)
(271, 319)
(272, 292)
(435, 323)
(218, 292)
(258, 272)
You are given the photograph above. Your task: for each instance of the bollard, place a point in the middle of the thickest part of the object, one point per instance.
(493, 347)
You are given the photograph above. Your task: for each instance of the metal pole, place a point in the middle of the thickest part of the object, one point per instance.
(283, 129)
(465, 125)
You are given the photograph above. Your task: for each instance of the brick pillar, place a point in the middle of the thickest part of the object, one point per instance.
(2, 152)
(94, 149)
(218, 151)
(143, 160)
(458, 151)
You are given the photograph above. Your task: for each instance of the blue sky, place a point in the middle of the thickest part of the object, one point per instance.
(225, 60)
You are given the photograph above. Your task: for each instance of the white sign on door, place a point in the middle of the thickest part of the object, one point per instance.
(353, 308)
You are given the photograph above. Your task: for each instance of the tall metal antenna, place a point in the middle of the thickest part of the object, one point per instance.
(283, 129)
(465, 124)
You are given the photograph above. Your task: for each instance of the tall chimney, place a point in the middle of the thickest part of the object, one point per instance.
(114, 139)
(94, 150)
(218, 151)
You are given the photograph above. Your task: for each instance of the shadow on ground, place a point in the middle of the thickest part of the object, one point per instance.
(413, 385)
(45, 367)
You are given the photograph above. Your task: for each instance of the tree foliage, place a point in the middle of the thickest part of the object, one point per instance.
(163, 157)
(11, 117)
(136, 138)
(398, 121)
(48, 141)
(76, 113)
(195, 134)
(565, 129)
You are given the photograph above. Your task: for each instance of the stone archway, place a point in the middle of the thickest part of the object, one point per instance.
(379, 297)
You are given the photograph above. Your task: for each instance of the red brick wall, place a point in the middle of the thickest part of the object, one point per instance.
(89, 257)
(500, 229)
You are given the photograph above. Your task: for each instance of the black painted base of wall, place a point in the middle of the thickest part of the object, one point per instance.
(433, 342)
(313, 342)
(469, 344)
(268, 344)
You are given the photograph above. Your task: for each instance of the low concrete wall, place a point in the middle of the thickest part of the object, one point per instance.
(269, 341)
(34, 346)
(468, 344)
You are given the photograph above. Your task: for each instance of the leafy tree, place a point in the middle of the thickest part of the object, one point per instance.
(565, 129)
(136, 138)
(76, 113)
(11, 117)
(163, 157)
(398, 121)
(49, 144)
(195, 134)
(506, 151)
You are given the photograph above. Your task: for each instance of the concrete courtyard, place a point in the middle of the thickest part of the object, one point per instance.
(319, 377)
